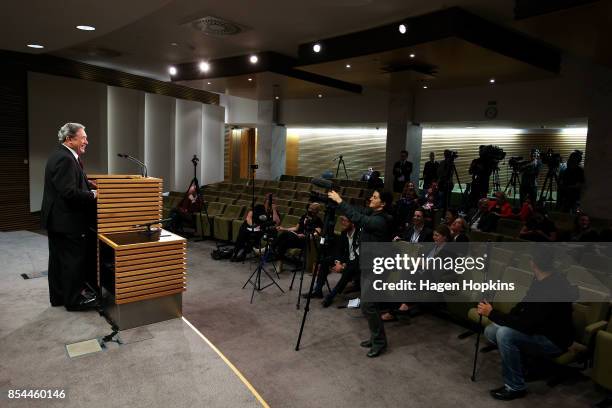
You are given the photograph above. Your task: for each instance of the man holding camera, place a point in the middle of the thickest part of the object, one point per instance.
(375, 225)
(295, 237)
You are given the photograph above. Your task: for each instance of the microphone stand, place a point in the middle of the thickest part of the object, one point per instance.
(143, 167)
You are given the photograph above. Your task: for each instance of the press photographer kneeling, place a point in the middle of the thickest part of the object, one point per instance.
(256, 223)
(295, 237)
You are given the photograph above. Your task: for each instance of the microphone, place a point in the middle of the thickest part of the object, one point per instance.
(326, 184)
(143, 166)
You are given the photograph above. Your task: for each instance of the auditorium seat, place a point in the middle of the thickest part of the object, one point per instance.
(602, 360)
(239, 188)
(283, 202)
(201, 220)
(303, 187)
(286, 194)
(302, 195)
(299, 204)
(287, 177)
(302, 179)
(226, 199)
(352, 192)
(480, 236)
(286, 185)
(297, 211)
(509, 227)
(223, 222)
(271, 184)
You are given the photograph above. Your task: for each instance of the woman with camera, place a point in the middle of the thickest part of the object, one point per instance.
(250, 231)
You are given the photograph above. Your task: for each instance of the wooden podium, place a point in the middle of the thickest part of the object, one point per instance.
(142, 272)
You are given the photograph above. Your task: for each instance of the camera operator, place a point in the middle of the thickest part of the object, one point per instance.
(375, 225)
(481, 170)
(253, 228)
(295, 237)
(570, 182)
(430, 171)
(529, 176)
(445, 175)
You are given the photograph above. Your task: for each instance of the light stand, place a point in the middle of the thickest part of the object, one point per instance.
(514, 184)
(551, 182)
(341, 161)
(451, 172)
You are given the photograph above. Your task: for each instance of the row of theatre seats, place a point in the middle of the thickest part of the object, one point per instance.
(228, 203)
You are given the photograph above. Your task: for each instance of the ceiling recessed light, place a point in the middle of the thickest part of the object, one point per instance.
(86, 27)
(424, 86)
(348, 66)
(174, 44)
(250, 79)
(412, 55)
(208, 83)
(319, 96)
(277, 97)
(316, 47)
(402, 28)
(253, 59)
(36, 46)
(204, 66)
(492, 80)
(172, 70)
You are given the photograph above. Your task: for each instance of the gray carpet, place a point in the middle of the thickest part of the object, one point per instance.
(162, 365)
(426, 365)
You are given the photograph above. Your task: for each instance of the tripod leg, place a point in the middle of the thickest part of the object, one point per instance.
(306, 309)
(272, 279)
(344, 167)
(476, 348)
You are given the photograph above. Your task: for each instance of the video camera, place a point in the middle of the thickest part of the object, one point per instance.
(492, 153)
(515, 161)
(551, 159)
(317, 197)
(450, 155)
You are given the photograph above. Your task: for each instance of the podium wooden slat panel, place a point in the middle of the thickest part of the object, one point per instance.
(167, 271)
(141, 287)
(159, 253)
(144, 248)
(149, 267)
(149, 296)
(138, 213)
(123, 296)
(178, 258)
(157, 275)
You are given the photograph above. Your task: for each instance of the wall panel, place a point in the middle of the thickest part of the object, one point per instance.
(212, 144)
(188, 141)
(159, 137)
(126, 120)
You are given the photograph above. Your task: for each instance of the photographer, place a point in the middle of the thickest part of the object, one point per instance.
(295, 237)
(529, 176)
(481, 170)
(570, 182)
(375, 225)
(251, 229)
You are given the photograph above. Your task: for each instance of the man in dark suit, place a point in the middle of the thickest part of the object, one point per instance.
(68, 213)
(417, 232)
(430, 171)
(401, 172)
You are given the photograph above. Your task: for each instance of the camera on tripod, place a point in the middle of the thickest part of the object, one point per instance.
(515, 162)
(450, 155)
(493, 153)
(266, 226)
(551, 159)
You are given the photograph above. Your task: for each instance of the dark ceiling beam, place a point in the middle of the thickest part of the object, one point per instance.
(530, 8)
(268, 61)
(452, 22)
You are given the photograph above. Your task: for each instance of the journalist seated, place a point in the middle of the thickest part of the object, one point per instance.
(250, 232)
(539, 228)
(482, 219)
(295, 237)
(345, 261)
(539, 326)
(418, 231)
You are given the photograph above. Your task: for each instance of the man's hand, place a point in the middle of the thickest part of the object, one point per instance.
(301, 235)
(484, 308)
(338, 267)
(332, 195)
(397, 238)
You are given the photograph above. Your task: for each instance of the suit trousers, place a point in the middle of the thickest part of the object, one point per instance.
(70, 266)
(378, 337)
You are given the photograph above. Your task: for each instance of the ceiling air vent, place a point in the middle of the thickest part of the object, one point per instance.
(215, 26)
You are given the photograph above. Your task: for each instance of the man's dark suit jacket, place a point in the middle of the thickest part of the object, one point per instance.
(399, 170)
(342, 253)
(68, 204)
(425, 236)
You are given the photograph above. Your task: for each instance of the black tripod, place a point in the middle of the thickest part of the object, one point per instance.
(514, 184)
(328, 232)
(255, 278)
(551, 183)
(341, 161)
(451, 171)
(496, 182)
(309, 240)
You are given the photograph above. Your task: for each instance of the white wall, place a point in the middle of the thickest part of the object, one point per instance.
(239, 111)
(188, 136)
(159, 137)
(212, 166)
(126, 119)
(53, 101)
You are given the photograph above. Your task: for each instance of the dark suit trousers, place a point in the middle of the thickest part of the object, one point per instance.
(350, 273)
(69, 265)
(377, 328)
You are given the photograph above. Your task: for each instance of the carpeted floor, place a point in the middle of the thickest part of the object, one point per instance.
(162, 365)
(426, 365)
(167, 364)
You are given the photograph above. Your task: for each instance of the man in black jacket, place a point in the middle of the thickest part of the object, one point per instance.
(68, 213)
(402, 170)
(375, 226)
(430, 171)
(417, 232)
(540, 325)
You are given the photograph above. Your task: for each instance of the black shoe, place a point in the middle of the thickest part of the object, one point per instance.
(58, 303)
(84, 304)
(327, 301)
(313, 295)
(505, 394)
(366, 344)
(376, 351)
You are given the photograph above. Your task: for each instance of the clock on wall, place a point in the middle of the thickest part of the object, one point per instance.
(491, 112)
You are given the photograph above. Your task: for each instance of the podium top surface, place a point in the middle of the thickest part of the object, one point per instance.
(136, 239)
(118, 177)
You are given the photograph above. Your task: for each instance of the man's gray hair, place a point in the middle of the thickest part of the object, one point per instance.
(68, 130)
